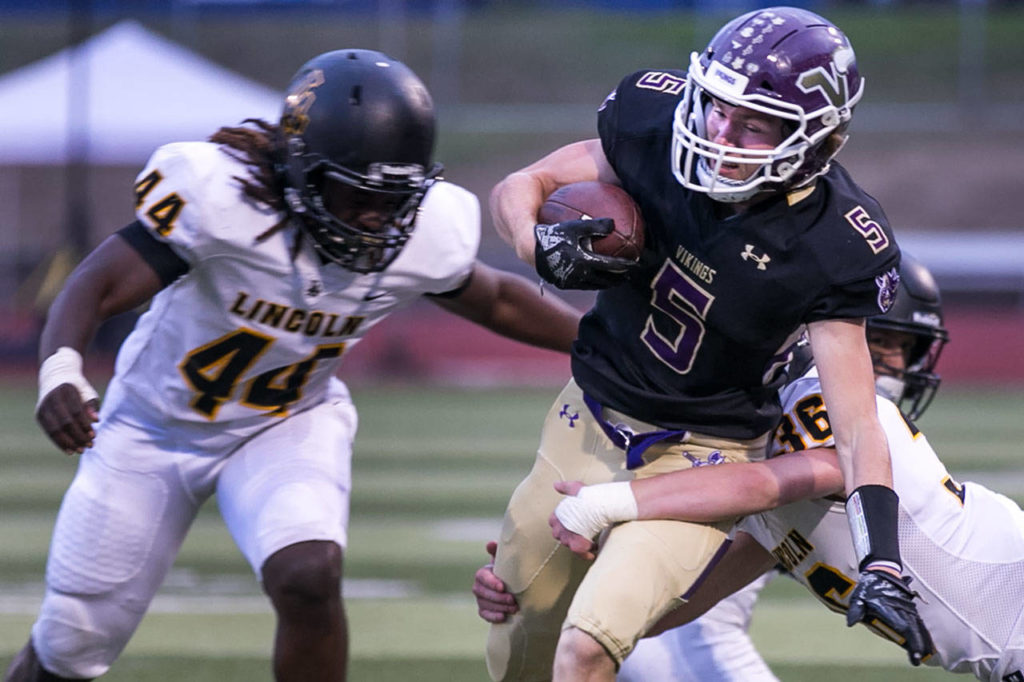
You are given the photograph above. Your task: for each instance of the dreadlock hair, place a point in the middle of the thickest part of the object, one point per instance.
(259, 145)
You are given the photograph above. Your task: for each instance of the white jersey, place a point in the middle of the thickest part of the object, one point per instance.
(251, 333)
(962, 544)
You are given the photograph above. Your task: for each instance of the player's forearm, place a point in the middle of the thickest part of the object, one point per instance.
(864, 457)
(724, 491)
(872, 506)
(511, 305)
(71, 322)
(522, 314)
(848, 386)
(706, 494)
(113, 279)
(514, 203)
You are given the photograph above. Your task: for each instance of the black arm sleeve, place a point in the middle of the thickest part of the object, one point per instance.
(160, 256)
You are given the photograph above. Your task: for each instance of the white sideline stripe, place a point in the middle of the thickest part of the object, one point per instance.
(208, 594)
(1003, 481)
(28, 604)
(474, 529)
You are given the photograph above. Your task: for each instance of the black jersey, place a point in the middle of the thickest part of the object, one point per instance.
(697, 341)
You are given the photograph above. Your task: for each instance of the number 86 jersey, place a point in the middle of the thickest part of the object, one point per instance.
(254, 330)
(962, 544)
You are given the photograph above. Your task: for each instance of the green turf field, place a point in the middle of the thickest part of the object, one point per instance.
(433, 469)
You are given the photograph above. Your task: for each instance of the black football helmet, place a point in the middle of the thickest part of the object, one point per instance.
(917, 310)
(358, 136)
(782, 61)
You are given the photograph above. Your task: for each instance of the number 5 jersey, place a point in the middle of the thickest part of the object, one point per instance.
(694, 341)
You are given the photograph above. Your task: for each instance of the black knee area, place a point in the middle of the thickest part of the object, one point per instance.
(304, 575)
(26, 668)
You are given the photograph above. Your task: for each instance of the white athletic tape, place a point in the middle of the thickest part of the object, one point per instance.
(64, 367)
(596, 507)
(858, 526)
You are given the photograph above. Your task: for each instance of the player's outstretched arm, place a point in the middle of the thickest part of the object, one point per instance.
(515, 201)
(112, 279)
(704, 494)
(512, 306)
(848, 386)
(847, 382)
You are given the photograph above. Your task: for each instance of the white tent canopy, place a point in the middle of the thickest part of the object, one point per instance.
(134, 91)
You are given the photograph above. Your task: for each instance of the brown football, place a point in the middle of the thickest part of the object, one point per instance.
(592, 199)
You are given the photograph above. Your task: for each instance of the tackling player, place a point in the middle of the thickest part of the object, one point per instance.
(268, 252)
(964, 545)
(752, 233)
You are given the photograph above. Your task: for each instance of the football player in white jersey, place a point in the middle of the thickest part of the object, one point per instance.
(966, 543)
(268, 252)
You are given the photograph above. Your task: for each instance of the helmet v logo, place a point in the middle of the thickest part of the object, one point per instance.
(832, 85)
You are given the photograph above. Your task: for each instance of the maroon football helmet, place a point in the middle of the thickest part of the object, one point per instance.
(781, 61)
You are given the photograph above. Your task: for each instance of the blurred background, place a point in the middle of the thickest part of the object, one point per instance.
(88, 88)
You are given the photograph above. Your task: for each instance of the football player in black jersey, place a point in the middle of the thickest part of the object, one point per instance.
(753, 235)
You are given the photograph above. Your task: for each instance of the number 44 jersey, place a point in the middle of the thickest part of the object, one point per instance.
(255, 330)
(962, 544)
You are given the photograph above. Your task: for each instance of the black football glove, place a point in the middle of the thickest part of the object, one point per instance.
(565, 259)
(883, 597)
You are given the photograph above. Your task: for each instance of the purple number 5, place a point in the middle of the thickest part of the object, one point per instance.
(675, 341)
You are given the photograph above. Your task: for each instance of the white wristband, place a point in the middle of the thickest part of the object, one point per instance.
(596, 507)
(64, 367)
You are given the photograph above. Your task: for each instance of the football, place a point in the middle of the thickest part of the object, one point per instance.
(588, 200)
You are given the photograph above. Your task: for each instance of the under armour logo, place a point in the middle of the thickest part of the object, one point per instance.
(762, 261)
(315, 288)
(571, 417)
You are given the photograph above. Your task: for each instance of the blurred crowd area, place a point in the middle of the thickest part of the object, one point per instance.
(937, 138)
(427, 5)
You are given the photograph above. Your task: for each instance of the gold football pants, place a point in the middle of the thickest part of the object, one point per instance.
(644, 568)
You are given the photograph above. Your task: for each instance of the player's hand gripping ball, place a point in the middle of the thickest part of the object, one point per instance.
(590, 236)
(590, 200)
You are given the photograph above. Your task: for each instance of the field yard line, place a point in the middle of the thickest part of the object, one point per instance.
(1005, 481)
(27, 603)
